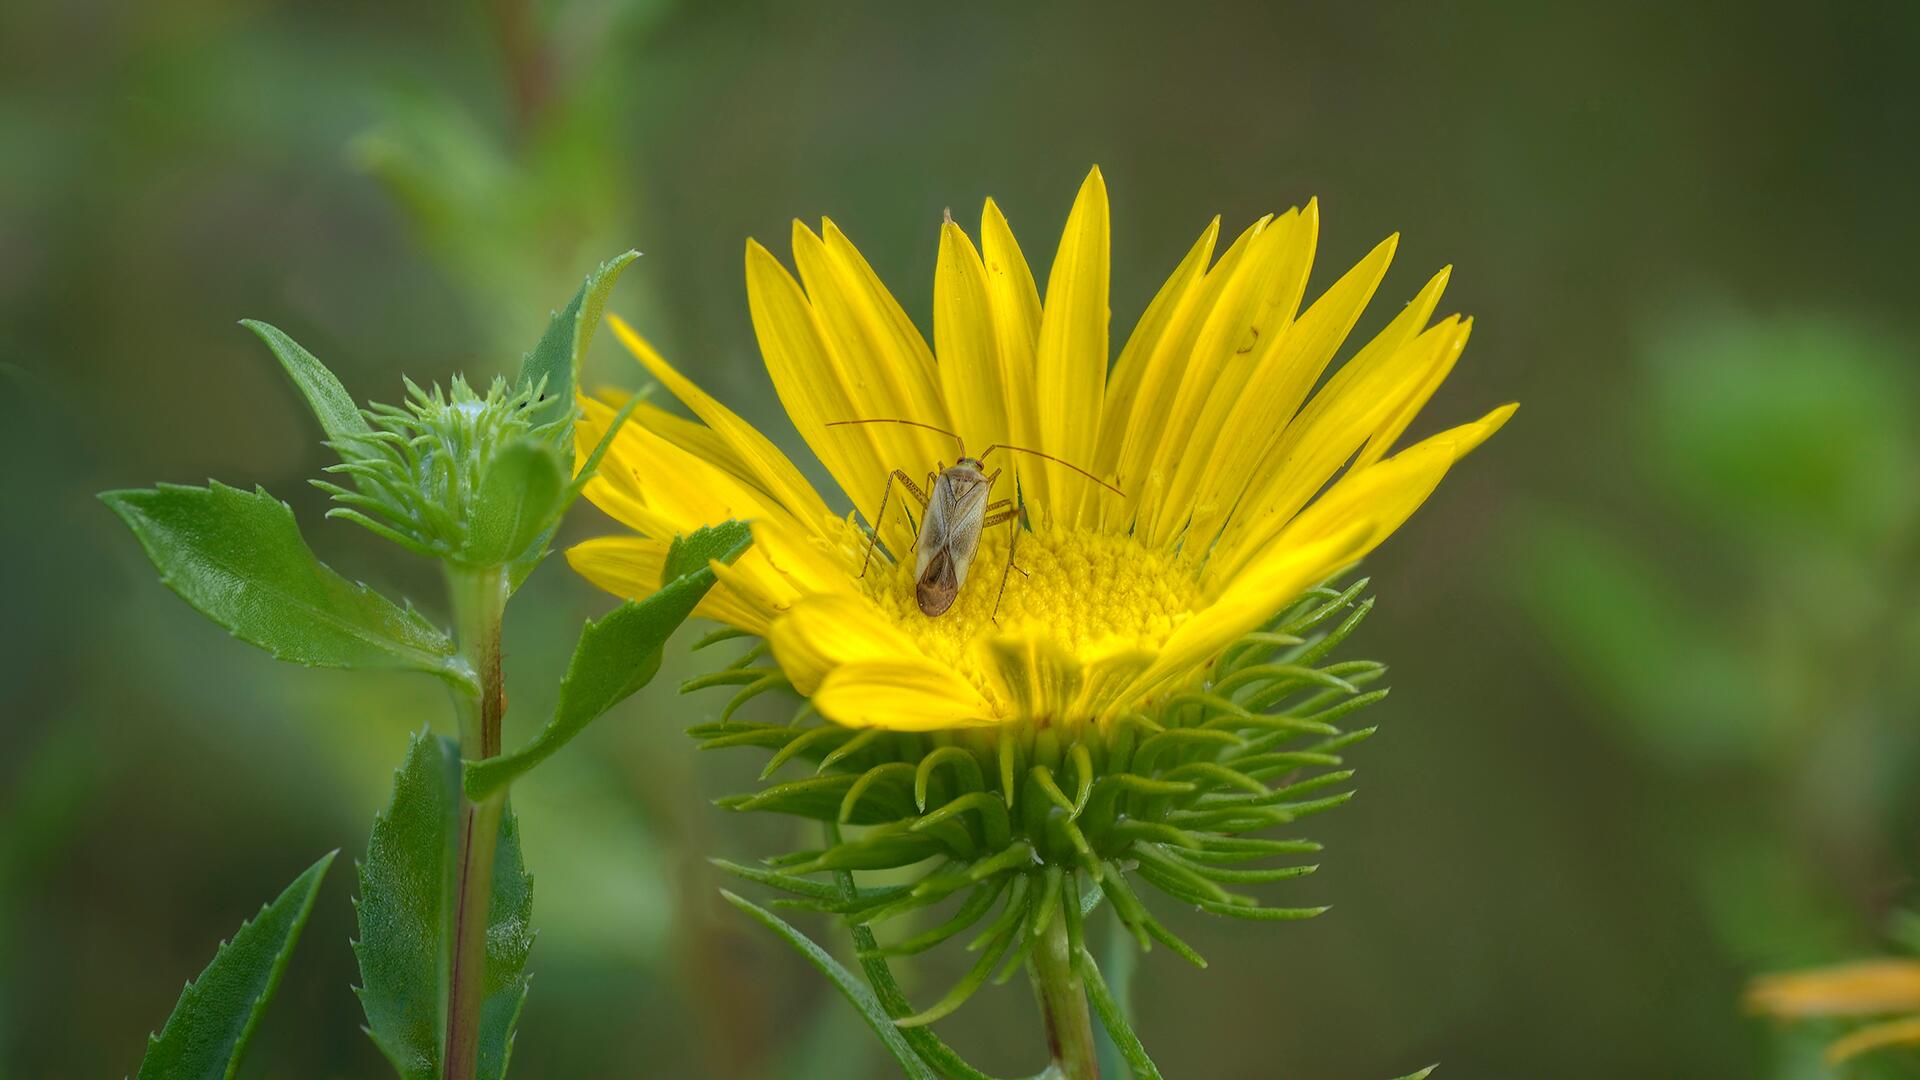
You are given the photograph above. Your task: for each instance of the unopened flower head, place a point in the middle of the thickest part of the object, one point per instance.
(419, 475)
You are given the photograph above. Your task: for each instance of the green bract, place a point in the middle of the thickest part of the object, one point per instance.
(1013, 833)
(457, 475)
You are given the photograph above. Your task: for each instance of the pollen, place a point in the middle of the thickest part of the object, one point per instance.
(1082, 590)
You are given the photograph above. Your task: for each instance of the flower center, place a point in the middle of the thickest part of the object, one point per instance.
(1082, 590)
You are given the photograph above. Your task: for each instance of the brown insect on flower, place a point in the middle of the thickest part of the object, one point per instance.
(956, 509)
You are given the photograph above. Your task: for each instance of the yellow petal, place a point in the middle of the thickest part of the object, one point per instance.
(1904, 1032)
(1016, 323)
(770, 469)
(861, 670)
(804, 560)
(1260, 428)
(1860, 988)
(883, 361)
(1071, 358)
(1359, 402)
(910, 367)
(900, 695)
(966, 342)
(1035, 675)
(630, 567)
(1253, 598)
(1250, 319)
(818, 387)
(1410, 396)
(696, 439)
(1167, 366)
(659, 488)
(1381, 497)
(1124, 387)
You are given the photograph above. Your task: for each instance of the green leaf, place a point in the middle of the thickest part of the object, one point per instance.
(509, 942)
(856, 992)
(405, 907)
(520, 496)
(208, 1032)
(619, 654)
(338, 415)
(1421, 1074)
(238, 558)
(558, 355)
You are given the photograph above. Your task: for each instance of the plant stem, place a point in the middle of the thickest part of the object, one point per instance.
(1063, 1004)
(479, 599)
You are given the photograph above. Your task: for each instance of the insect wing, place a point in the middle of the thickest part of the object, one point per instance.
(933, 526)
(965, 519)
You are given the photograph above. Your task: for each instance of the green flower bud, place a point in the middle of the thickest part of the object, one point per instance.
(474, 480)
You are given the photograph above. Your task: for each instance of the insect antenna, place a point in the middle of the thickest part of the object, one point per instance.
(1055, 460)
(910, 423)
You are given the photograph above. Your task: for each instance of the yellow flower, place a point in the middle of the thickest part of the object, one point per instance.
(1206, 423)
(1860, 990)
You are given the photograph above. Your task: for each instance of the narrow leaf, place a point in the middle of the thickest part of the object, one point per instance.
(238, 558)
(207, 1035)
(856, 992)
(619, 654)
(331, 405)
(557, 356)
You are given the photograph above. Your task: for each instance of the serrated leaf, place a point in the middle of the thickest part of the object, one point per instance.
(556, 358)
(619, 654)
(239, 559)
(331, 404)
(855, 991)
(509, 942)
(406, 903)
(207, 1035)
(520, 496)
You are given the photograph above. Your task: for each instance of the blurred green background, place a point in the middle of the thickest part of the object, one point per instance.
(1656, 648)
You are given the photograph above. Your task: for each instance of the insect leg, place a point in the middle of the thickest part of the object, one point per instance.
(1011, 515)
(873, 538)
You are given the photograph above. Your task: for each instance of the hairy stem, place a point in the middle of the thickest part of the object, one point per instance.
(479, 598)
(1063, 1004)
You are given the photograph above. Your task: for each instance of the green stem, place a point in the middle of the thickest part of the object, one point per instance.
(1063, 1004)
(479, 599)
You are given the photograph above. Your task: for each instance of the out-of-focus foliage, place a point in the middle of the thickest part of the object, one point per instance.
(1781, 663)
(1541, 853)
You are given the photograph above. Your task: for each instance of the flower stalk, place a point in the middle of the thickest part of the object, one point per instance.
(479, 598)
(1063, 1003)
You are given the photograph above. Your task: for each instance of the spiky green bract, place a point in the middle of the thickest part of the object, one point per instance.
(1013, 825)
(207, 1035)
(454, 474)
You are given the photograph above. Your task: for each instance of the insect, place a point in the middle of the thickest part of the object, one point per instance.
(956, 510)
